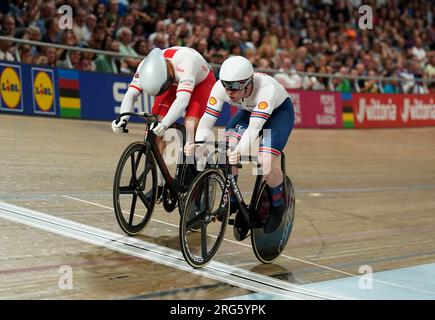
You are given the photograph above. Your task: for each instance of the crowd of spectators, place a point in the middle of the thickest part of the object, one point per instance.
(292, 37)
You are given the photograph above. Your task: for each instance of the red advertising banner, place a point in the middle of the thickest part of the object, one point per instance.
(393, 110)
(317, 109)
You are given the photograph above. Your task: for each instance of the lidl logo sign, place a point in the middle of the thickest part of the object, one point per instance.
(10, 88)
(43, 91)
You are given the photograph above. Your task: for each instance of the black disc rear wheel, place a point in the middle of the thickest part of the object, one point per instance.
(267, 247)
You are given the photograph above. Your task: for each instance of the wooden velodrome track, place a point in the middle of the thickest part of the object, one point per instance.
(364, 197)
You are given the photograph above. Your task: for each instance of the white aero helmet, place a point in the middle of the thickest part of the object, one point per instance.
(236, 73)
(153, 73)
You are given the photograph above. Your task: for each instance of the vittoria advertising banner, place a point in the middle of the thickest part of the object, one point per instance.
(393, 110)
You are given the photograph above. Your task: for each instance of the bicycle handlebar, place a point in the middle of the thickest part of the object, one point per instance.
(139, 114)
(144, 115)
(216, 143)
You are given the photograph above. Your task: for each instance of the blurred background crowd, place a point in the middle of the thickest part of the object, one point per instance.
(287, 38)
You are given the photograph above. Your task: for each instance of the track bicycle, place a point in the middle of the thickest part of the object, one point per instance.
(211, 214)
(135, 181)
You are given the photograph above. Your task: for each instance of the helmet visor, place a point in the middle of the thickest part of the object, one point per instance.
(236, 85)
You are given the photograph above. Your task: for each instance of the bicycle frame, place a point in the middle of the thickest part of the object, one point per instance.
(230, 182)
(150, 139)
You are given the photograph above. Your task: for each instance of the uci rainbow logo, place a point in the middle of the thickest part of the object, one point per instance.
(10, 87)
(43, 91)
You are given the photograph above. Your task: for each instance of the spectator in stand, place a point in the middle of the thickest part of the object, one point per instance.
(172, 17)
(201, 47)
(72, 60)
(159, 31)
(173, 41)
(195, 37)
(24, 54)
(255, 40)
(127, 21)
(141, 47)
(8, 26)
(370, 85)
(407, 76)
(5, 48)
(228, 38)
(112, 13)
(288, 76)
(418, 52)
(263, 65)
(90, 24)
(124, 36)
(416, 69)
(310, 82)
(79, 26)
(40, 60)
(235, 50)
(88, 63)
(32, 33)
(391, 86)
(51, 54)
(18, 12)
(215, 42)
(429, 71)
(339, 82)
(105, 63)
(48, 10)
(182, 32)
(97, 38)
(68, 39)
(52, 34)
(160, 42)
(100, 11)
(244, 40)
(353, 80)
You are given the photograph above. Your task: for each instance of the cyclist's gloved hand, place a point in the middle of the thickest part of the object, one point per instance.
(233, 156)
(119, 126)
(159, 129)
(189, 149)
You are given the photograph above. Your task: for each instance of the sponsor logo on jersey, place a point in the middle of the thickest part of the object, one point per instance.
(10, 87)
(212, 101)
(186, 82)
(262, 105)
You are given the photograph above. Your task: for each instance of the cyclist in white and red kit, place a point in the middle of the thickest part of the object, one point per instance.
(181, 79)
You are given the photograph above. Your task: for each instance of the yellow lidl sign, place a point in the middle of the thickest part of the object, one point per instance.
(11, 89)
(43, 91)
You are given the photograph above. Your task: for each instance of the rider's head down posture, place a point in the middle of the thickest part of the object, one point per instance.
(180, 79)
(264, 107)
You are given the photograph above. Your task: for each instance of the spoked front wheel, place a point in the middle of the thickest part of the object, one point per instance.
(135, 188)
(203, 209)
